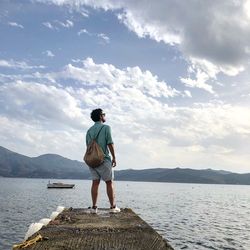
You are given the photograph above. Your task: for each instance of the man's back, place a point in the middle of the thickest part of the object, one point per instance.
(104, 137)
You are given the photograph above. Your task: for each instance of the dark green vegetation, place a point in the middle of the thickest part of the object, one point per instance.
(44, 166)
(55, 166)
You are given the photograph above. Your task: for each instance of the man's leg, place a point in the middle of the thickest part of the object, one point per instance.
(110, 193)
(94, 191)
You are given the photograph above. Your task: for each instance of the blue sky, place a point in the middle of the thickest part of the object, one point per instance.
(172, 76)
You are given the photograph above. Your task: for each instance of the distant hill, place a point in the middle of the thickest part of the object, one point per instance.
(55, 166)
(45, 166)
(182, 175)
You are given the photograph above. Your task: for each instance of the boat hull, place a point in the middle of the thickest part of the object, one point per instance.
(60, 185)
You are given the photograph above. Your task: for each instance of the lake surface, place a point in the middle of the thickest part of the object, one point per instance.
(189, 216)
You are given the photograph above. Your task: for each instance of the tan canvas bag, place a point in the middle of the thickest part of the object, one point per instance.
(94, 155)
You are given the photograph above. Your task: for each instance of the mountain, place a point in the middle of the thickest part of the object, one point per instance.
(182, 175)
(45, 166)
(55, 166)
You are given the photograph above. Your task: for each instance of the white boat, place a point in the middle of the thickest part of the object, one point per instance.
(60, 185)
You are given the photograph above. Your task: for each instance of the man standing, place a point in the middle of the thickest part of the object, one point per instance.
(105, 170)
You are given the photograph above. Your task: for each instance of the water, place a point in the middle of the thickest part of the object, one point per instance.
(189, 216)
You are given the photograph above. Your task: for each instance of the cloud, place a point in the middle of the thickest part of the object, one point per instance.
(107, 75)
(32, 101)
(49, 53)
(145, 124)
(49, 25)
(104, 37)
(32, 139)
(56, 25)
(14, 24)
(200, 82)
(18, 65)
(188, 93)
(84, 13)
(213, 39)
(205, 34)
(67, 24)
(83, 31)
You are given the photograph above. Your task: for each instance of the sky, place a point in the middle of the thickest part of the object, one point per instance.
(172, 77)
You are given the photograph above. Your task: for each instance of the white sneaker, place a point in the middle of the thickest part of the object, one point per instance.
(93, 210)
(114, 210)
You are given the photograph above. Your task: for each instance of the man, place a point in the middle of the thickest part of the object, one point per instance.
(105, 170)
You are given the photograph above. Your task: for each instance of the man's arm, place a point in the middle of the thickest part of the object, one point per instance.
(112, 151)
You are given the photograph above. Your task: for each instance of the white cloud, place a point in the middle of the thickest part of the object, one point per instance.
(84, 12)
(146, 29)
(197, 136)
(107, 75)
(200, 82)
(56, 24)
(188, 93)
(49, 53)
(152, 132)
(49, 25)
(32, 139)
(47, 109)
(104, 37)
(213, 39)
(83, 31)
(14, 24)
(67, 24)
(33, 101)
(18, 65)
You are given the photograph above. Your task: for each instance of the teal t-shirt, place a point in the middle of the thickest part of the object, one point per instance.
(104, 137)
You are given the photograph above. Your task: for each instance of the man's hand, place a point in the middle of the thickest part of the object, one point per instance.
(113, 162)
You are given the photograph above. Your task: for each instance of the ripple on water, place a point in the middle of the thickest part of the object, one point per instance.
(189, 216)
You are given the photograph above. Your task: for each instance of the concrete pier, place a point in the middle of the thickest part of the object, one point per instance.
(79, 229)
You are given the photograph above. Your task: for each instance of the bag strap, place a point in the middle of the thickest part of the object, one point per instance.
(98, 133)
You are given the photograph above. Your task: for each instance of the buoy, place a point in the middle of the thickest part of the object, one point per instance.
(45, 221)
(33, 228)
(60, 209)
(53, 215)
